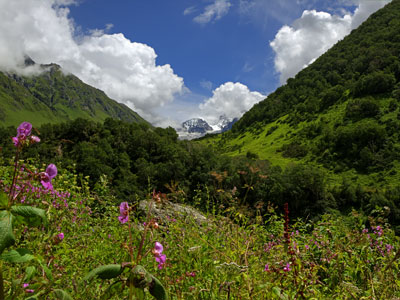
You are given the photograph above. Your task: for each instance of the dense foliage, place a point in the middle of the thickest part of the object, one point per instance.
(78, 254)
(366, 62)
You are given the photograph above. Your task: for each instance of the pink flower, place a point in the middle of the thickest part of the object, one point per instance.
(60, 236)
(287, 267)
(267, 269)
(124, 212)
(46, 177)
(160, 258)
(35, 139)
(15, 141)
(24, 130)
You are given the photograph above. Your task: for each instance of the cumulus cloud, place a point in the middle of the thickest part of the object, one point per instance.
(311, 35)
(213, 12)
(125, 70)
(229, 99)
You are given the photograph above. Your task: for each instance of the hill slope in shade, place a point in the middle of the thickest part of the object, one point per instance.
(341, 113)
(53, 97)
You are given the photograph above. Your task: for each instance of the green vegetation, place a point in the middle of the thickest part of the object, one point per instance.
(54, 97)
(340, 115)
(89, 248)
(324, 146)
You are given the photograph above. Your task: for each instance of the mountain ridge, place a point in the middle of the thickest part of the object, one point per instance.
(340, 114)
(53, 96)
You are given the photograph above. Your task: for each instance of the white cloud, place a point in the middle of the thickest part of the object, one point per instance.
(229, 99)
(189, 10)
(125, 70)
(205, 84)
(313, 34)
(213, 12)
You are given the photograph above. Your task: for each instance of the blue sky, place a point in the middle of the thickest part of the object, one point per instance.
(178, 59)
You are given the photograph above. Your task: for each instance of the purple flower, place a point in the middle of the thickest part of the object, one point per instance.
(46, 177)
(25, 285)
(51, 170)
(160, 258)
(60, 236)
(35, 139)
(15, 141)
(287, 267)
(24, 130)
(124, 212)
(158, 249)
(267, 269)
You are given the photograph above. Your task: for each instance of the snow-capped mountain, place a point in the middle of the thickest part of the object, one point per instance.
(197, 127)
(224, 124)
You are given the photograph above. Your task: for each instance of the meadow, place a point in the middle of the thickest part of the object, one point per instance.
(61, 239)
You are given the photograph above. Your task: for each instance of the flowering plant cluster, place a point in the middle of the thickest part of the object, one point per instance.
(25, 210)
(139, 277)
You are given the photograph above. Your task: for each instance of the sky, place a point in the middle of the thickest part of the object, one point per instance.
(178, 59)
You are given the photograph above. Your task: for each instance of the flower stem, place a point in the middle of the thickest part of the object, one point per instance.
(12, 190)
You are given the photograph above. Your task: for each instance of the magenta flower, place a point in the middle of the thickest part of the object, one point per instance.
(15, 141)
(35, 139)
(160, 258)
(266, 268)
(287, 267)
(25, 285)
(60, 236)
(46, 177)
(24, 130)
(124, 212)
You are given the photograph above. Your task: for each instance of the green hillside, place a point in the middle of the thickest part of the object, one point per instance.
(340, 114)
(55, 97)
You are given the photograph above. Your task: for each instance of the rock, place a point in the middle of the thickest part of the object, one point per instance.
(166, 211)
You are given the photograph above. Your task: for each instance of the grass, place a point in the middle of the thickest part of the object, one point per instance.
(230, 256)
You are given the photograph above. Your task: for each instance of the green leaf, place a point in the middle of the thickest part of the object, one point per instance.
(6, 234)
(17, 256)
(29, 273)
(46, 270)
(141, 279)
(104, 272)
(3, 200)
(157, 290)
(61, 295)
(33, 215)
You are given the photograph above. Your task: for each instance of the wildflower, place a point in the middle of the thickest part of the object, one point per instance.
(24, 130)
(15, 141)
(266, 268)
(46, 177)
(25, 285)
(287, 267)
(160, 258)
(60, 236)
(124, 212)
(35, 139)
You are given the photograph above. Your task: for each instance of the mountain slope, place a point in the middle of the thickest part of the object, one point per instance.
(53, 97)
(341, 113)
